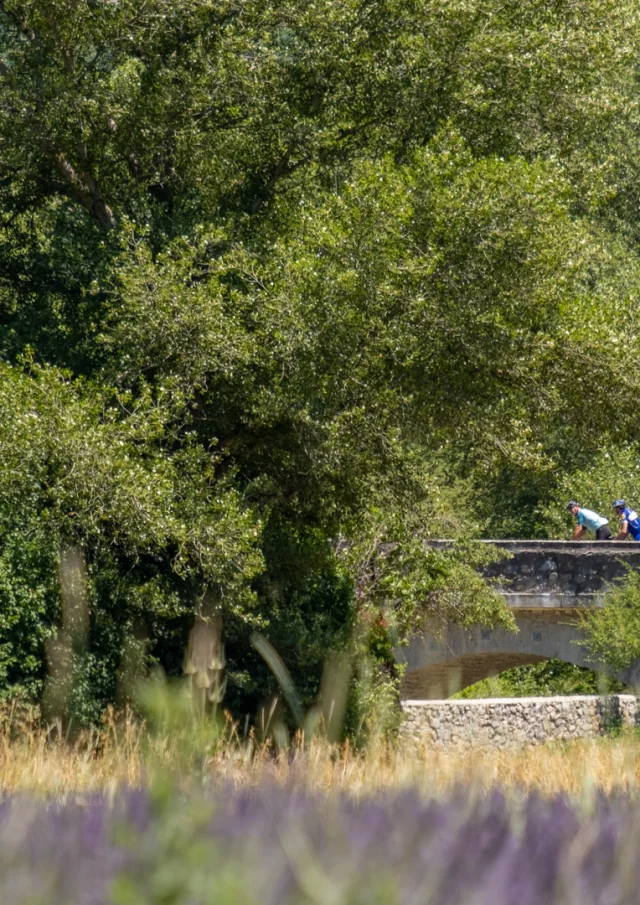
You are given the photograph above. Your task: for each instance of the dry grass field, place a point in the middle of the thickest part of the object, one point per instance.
(123, 752)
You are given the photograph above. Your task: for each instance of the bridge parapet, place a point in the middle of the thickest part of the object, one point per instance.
(558, 574)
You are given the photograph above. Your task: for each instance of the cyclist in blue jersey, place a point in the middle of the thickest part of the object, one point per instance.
(589, 521)
(629, 521)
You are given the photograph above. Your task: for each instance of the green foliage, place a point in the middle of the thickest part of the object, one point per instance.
(288, 289)
(612, 632)
(551, 677)
(611, 474)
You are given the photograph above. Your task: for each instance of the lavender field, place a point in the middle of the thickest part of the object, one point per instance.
(277, 846)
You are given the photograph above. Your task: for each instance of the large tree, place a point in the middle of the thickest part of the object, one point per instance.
(284, 282)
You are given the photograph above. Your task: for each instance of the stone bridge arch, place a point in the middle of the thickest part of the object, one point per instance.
(436, 669)
(546, 583)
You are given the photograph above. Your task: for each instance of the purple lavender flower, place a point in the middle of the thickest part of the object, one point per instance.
(278, 846)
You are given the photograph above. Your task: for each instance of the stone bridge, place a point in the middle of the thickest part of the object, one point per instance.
(546, 583)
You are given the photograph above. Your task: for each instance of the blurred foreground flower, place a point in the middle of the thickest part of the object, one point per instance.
(205, 659)
(274, 846)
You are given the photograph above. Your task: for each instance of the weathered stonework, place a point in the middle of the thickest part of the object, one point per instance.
(560, 574)
(505, 722)
(556, 573)
(546, 584)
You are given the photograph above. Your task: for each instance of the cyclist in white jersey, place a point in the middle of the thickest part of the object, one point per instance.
(588, 520)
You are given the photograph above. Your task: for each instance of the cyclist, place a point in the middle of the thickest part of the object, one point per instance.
(629, 521)
(589, 521)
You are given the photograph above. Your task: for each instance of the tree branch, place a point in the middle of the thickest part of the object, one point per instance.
(84, 189)
(282, 169)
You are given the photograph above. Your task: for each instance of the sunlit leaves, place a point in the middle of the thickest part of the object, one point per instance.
(306, 277)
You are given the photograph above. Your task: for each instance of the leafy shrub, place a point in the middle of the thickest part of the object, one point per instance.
(551, 677)
(612, 632)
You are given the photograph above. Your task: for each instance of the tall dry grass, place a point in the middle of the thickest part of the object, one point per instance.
(124, 752)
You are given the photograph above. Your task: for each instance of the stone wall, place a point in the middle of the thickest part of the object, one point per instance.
(557, 573)
(561, 569)
(503, 722)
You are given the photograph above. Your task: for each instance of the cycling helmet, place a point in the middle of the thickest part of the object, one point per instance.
(571, 504)
(619, 504)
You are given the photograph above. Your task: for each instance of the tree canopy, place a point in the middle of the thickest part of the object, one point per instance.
(284, 281)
